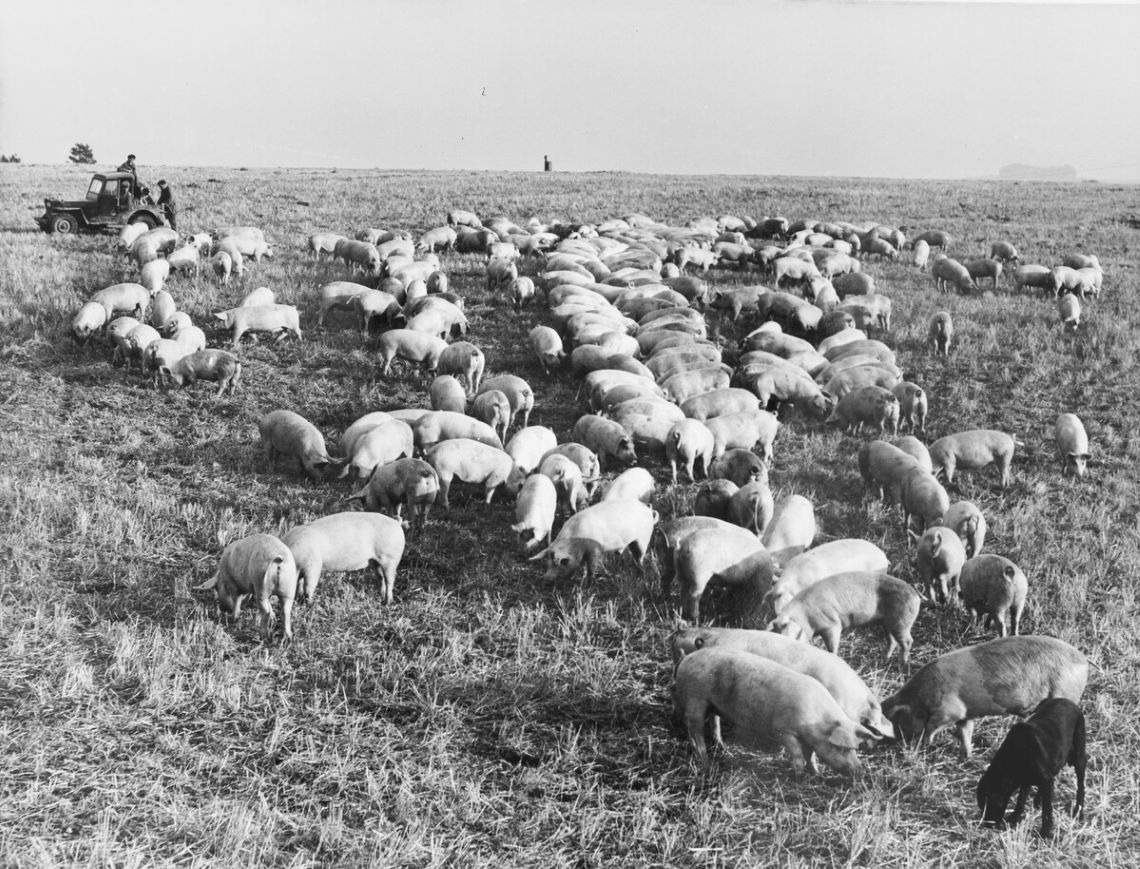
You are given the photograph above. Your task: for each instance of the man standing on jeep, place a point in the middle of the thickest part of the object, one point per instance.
(129, 166)
(167, 203)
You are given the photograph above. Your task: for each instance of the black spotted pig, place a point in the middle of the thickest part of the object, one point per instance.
(1031, 755)
(739, 466)
(1006, 676)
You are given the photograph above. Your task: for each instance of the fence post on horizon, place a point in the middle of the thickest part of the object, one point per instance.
(547, 166)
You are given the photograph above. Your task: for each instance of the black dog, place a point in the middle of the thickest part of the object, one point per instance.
(1031, 755)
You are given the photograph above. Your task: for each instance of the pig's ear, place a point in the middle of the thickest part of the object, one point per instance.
(868, 733)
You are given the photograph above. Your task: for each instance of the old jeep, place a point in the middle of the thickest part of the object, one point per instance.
(110, 204)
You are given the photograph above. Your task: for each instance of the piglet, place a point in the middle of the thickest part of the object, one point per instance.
(1031, 755)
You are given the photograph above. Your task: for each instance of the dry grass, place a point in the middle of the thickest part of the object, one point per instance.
(486, 718)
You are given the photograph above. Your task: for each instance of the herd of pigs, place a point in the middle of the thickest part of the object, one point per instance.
(624, 298)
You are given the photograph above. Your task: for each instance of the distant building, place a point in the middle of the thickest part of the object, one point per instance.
(1025, 172)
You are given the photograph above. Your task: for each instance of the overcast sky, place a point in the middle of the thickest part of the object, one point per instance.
(790, 87)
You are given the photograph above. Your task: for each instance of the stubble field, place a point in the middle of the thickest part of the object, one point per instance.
(487, 717)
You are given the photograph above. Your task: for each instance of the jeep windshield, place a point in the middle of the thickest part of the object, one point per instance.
(96, 186)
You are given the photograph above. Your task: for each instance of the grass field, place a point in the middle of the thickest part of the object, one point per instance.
(487, 718)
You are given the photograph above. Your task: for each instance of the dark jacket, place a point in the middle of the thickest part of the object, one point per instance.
(166, 199)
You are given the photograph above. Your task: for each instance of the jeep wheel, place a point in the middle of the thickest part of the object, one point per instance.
(63, 224)
(144, 218)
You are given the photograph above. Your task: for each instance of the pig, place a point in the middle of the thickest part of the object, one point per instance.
(1031, 755)
(92, 317)
(606, 438)
(521, 291)
(635, 484)
(667, 538)
(1072, 444)
(838, 556)
(534, 511)
(1069, 310)
(924, 501)
(529, 445)
(137, 341)
(785, 387)
(346, 542)
(744, 430)
(751, 507)
(766, 701)
(739, 466)
(1004, 252)
(385, 442)
(360, 427)
(447, 393)
(159, 357)
(883, 467)
(859, 376)
(586, 460)
(714, 497)
(688, 384)
(473, 462)
(967, 521)
(463, 359)
(921, 254)
(939, 333)
(724, 557)
(216, 365)
(996, 588)
(405, 481)
(1005, 676)
(337, 295)
(493, 408)
(258, 296)
(719, 402)
(371, 306)
(1038, 276)
(852, 600)
(791, 530)
(118, 331)
(284, 432)
(130, 299)
(971, 450)
(567, 478)
(279, 319)
(858, 702)
(153, 275)
(258, 566)
(589, 534)
(223, 266)
(939, 561)
(873, 406)
(917, 450)
(913, 405)
(517, 391)
(547, 347)
(442, 425)
(411, 346)
(689, 442)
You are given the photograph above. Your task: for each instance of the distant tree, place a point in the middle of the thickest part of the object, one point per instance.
(81, 153)
(9, 159)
